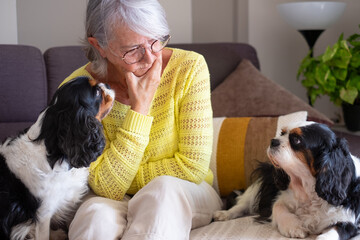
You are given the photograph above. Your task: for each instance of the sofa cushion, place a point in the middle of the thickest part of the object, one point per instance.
(239, 144)
(23, 88)
(60, 63)
(239, 229)
(222, 58)
(246, 92)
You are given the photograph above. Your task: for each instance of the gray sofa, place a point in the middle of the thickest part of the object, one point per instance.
(28, 79)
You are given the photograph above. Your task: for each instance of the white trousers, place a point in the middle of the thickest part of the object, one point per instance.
(167, 208)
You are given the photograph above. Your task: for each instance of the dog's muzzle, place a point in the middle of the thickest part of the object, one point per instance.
(274, 143)
(272, 150)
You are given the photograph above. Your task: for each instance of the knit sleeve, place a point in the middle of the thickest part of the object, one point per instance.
(112, 173)
(129, 161)
(194, 126)
(126, 136)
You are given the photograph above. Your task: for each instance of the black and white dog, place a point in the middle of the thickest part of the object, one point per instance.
(44, 171)
(311, 187)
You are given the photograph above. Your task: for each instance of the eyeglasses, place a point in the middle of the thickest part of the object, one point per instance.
(137, 54)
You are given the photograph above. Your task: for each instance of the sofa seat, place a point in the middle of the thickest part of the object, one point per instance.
(236, 229)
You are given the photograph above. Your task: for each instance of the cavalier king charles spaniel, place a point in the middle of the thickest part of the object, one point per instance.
(311, 187)
(44, 171)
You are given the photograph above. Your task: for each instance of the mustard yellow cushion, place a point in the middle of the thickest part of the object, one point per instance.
(239, 144)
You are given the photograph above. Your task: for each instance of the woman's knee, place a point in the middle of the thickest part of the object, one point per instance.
(99, 216)
(102, 208)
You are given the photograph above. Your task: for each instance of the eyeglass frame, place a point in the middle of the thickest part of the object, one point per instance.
(167, 39)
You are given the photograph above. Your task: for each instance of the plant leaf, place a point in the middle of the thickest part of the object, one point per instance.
(343, 44)
(354, 81)
(335, 73)
(341, 59)
(354, 40)
(308, 82)
(305, 63)
(348, 95)
(340, 73)
(336, 99)
(313, 93)
(321, 73)
(330, 53)
(330, 84)
(341, 37)
(355, 60)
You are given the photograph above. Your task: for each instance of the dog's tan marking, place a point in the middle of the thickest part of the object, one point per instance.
(297, 131)
(310, 164)
(106, 103)
(92, 82)
(304, 156)
(284, 130)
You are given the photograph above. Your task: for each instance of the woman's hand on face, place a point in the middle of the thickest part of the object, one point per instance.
(142, 89)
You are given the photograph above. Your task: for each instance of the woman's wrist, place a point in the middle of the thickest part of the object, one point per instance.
(140, 109)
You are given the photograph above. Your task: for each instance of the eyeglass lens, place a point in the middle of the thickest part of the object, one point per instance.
(137, 54)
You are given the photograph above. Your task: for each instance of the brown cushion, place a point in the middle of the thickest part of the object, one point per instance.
(246, 92)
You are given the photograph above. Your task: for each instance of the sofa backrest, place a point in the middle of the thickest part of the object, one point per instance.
(60, 62)
(28, 79)
(23, 87)
(222, 58)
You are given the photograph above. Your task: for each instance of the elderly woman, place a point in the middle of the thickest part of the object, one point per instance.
(158, 134)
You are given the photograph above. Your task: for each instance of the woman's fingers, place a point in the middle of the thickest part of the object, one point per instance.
(142, 89)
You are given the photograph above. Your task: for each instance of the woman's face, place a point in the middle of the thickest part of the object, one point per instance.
(125, 40)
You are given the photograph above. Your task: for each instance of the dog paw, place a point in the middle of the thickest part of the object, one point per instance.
(321, 237)
(221, 215)
(331, 234)
(293, 231)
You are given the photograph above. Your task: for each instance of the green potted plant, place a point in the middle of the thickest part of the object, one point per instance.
(336, 73)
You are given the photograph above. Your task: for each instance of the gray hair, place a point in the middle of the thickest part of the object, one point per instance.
(145, 17)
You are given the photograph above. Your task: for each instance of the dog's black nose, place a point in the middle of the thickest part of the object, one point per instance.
(274, 143)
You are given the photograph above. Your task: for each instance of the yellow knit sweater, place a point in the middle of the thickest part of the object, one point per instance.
(174, 139)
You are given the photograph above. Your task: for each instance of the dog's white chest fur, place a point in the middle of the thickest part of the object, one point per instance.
(32, 168)
(59, 189)
(35, 172)
(315, 214)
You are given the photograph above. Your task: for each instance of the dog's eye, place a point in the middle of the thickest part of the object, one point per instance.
(98, 92)
(283, 132)
(296, 140)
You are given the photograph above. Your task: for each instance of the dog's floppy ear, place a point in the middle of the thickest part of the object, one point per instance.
(72, 135)
(69, 128)
(335, 170)
(80, 137)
